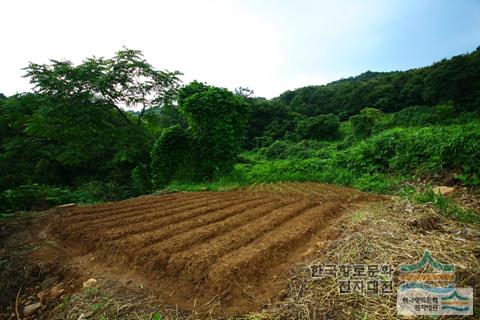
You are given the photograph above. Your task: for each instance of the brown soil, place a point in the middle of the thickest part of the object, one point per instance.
(221, 252)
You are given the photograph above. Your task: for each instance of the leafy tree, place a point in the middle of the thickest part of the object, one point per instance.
(191, 89)
(244, 92)
(319, 127)
(54, 142)
(456, 80)
(372, 112)
(173, 157)
(125, 80)
(141, 181)
(18, 153)
(216, 118)
(362, 125)
(158, 119)
(265, 119)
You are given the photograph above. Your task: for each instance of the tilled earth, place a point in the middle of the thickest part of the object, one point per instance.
(228, 251)
(217, 255)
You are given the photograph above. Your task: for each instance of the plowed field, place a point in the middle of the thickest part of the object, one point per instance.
(227, 251)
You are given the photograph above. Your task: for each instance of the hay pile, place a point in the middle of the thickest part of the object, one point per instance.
(392, 233)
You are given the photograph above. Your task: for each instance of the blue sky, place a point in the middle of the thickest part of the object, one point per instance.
(269, 46)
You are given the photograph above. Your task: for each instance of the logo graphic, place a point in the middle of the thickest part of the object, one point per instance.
(428, 288)
(456, 302)
(416, 272)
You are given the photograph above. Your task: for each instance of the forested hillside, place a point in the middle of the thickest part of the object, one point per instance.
(109, 129)
(454, 81)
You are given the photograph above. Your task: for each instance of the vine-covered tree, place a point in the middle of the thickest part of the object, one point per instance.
(216, 118)
(173, 157)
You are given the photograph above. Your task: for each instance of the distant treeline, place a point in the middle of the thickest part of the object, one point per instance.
(455, 81)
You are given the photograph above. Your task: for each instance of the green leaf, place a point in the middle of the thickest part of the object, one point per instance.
(156, 316)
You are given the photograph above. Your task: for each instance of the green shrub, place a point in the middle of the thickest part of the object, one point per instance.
(173, 157)
(303, 149)
(410, 150)
(419, 116)
(41, 197)
(277, 150)
(319, 127)
(362, 125)
(99, 191)
(141, 182)
(34, 197)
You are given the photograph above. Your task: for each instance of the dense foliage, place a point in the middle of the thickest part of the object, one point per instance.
(216, 118)
(412, 150)
(54, 142)
(173, 157)
(319, 127)
(209, 146)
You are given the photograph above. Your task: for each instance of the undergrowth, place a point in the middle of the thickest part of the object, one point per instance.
(445, 205)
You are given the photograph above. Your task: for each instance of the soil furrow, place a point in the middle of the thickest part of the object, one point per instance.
(128, 203)
(154, 237)
(271, 249)
(125, 211)
(200, 247)
(206, 253)
(296, 190)
(307, 190)
(157, 254)
(158, 223)
(138, 221)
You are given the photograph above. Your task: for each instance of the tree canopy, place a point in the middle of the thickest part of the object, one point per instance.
(126, 80)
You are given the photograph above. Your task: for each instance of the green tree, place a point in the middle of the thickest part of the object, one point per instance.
(19, 153)
(52, 141)
(173, 157)
(216, 118)
(141, 181)
(372, 112)
(319, 127)
(362, 125)
(126, 80)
